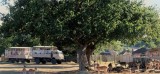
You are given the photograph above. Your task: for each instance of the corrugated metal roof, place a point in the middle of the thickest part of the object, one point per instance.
(124, 51)
(141, 51)
(109, 52)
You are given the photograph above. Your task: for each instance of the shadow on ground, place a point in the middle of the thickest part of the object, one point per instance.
(16, 72)
(64, 72)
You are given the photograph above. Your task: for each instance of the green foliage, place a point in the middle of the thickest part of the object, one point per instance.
(5, 43)
(79, 23)
(113, 45)
(149, 44)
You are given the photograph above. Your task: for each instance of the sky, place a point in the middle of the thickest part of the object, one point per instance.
(154, 3)
(3, 8)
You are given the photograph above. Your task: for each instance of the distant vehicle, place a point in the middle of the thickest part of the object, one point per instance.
(47, 54)
(19, 54)
(37, 53)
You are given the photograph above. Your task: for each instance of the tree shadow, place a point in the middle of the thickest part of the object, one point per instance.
(40, 72)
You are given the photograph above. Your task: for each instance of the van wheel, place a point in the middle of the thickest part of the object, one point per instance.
(17, 60)
(37, 61)
(53, 61)
(12, 60)
(28, 61)
(59, 62)
(43, 62)
(22, 61)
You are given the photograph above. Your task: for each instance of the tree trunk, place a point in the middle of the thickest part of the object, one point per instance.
(82, 60)
(88, 55)
(89, 52)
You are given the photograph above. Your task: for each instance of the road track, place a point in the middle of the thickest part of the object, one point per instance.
(40, 67)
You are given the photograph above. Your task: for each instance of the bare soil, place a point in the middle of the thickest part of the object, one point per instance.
(64, 68)
(8, 68)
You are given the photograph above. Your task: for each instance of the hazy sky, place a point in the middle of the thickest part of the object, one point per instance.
(155, 3)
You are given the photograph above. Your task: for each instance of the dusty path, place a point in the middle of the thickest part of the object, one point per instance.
(4, 67)
(64, 68)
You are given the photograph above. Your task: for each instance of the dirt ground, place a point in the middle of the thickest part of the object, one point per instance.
(8, 68)
(64, 68)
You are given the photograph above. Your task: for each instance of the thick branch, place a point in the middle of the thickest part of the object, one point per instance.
(78, 5)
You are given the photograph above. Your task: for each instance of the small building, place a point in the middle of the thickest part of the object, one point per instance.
(153, 53)
(125, 56)
(140, 55)
(109, 55)
(139, 52)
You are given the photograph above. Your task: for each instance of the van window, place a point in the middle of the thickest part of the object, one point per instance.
(60, 52)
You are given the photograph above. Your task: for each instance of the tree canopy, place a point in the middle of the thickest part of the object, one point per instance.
(79, 23)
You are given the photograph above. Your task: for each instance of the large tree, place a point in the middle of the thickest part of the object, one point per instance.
(81, 23)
